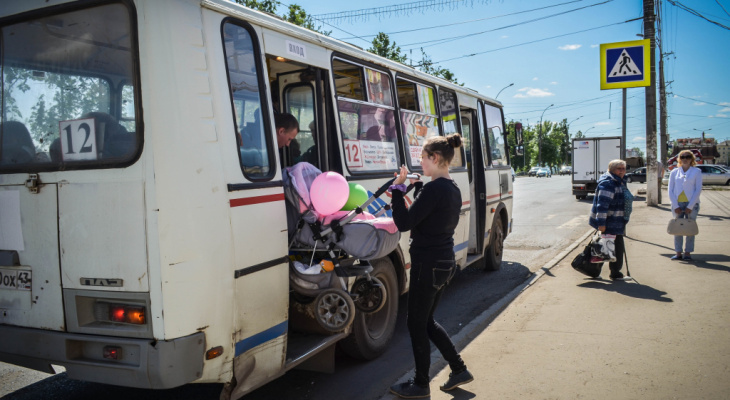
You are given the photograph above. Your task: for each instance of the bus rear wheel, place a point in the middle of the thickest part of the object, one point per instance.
(493, 256)
(372, 332)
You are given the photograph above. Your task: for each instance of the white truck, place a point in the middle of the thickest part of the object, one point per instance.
(590, 161)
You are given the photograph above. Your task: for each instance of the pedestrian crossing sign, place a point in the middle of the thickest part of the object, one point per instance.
(626, 64)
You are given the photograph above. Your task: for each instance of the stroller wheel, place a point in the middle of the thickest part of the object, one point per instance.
(370, 295)
(334, 310)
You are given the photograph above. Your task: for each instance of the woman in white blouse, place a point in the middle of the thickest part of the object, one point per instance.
(685, 186)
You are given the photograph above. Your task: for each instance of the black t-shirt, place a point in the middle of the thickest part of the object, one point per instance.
(433, 216)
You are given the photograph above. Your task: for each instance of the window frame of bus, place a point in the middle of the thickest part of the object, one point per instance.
(287, 89)
(502, 133)
(406, 145)
(459, 128)
(115, 163)
(363, 66)
(263, 99)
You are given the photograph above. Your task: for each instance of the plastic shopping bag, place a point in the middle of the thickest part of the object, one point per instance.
(603, 247)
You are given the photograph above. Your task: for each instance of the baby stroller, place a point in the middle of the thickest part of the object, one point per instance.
(344, 242)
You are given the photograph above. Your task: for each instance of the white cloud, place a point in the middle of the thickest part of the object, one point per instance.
(593, 46)
(534, 79)
(638, 139)
(528, 92)
(553, 83)
(570, 47)
(488, 86)
(504, 37)
(727, 109)
(699, 103)
(604, 123)
(719, 116)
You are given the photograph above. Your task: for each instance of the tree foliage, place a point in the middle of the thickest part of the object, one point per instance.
(382, 47)
(428, 66)
(295, 13)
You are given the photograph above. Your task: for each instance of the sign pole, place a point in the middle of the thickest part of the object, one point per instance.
(652, 181)
(623, 127)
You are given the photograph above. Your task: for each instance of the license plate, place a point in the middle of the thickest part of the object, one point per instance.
(15, 279)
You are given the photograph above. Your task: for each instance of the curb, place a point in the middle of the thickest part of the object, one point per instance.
(471, 330)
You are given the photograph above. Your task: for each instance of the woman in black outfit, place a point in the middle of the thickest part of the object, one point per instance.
(431, 218)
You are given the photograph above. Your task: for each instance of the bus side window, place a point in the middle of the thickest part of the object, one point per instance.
(254, 145)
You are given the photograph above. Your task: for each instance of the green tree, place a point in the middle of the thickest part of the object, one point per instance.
(296, 14)
(383, 47)
(268, 6)
(579, 135)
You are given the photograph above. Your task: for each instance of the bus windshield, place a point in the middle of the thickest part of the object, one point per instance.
(68, 91)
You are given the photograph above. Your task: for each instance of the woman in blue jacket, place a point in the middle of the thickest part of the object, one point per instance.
(608, 212)
(685, 186)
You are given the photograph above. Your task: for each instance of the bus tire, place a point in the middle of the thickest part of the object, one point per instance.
(493, 255)
(371, 333)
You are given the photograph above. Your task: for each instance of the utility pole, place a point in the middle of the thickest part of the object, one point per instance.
(663, 135)
(652, 181)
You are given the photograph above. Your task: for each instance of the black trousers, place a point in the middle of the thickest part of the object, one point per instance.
(619, 248)
(430, 272)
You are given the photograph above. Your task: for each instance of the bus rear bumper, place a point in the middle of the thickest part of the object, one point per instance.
(143, 363)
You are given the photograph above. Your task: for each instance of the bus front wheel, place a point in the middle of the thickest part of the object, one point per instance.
(372, 332)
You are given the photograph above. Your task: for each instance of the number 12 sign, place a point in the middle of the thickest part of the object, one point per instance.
(78, 139)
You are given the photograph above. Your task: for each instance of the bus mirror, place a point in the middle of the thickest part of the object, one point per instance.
(518, 134)
(519, 150)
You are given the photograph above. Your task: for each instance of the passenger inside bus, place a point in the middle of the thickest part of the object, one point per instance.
(17, 144)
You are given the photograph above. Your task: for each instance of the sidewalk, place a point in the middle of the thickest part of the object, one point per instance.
(665, 335)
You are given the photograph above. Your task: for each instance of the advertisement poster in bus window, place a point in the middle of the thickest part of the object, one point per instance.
(426, 100)
(367, 155)
(379, 88)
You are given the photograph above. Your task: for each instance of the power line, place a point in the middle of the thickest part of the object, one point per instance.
(471, 21)
(693, 12)
(533, 41)
(394, 9)
(446, 40)
(714, 104)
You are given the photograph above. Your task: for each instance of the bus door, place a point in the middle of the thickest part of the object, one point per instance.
(477, 189)
(493, 187)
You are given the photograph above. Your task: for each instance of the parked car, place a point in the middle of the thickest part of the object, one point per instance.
(711, 175)
(533, 171)
(714, 175)
(544, 172)
(566, 170)
(637, 175)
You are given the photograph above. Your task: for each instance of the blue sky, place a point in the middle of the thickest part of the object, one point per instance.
(525, 43)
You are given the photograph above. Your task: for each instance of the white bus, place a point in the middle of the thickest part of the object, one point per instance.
(143, 228)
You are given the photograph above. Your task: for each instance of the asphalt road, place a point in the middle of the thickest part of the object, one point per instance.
(547, 218)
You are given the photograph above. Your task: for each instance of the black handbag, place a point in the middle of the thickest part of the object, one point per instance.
(582, 263)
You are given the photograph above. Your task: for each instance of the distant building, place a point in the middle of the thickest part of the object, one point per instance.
(724, 149)
(706, 146)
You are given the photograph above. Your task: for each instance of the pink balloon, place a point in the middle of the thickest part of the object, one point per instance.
(329, 192)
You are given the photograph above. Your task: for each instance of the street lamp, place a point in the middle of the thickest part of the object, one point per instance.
(586, 132)
(539, 148)
(495, 97)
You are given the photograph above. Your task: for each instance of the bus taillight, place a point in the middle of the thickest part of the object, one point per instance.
(127, 314)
